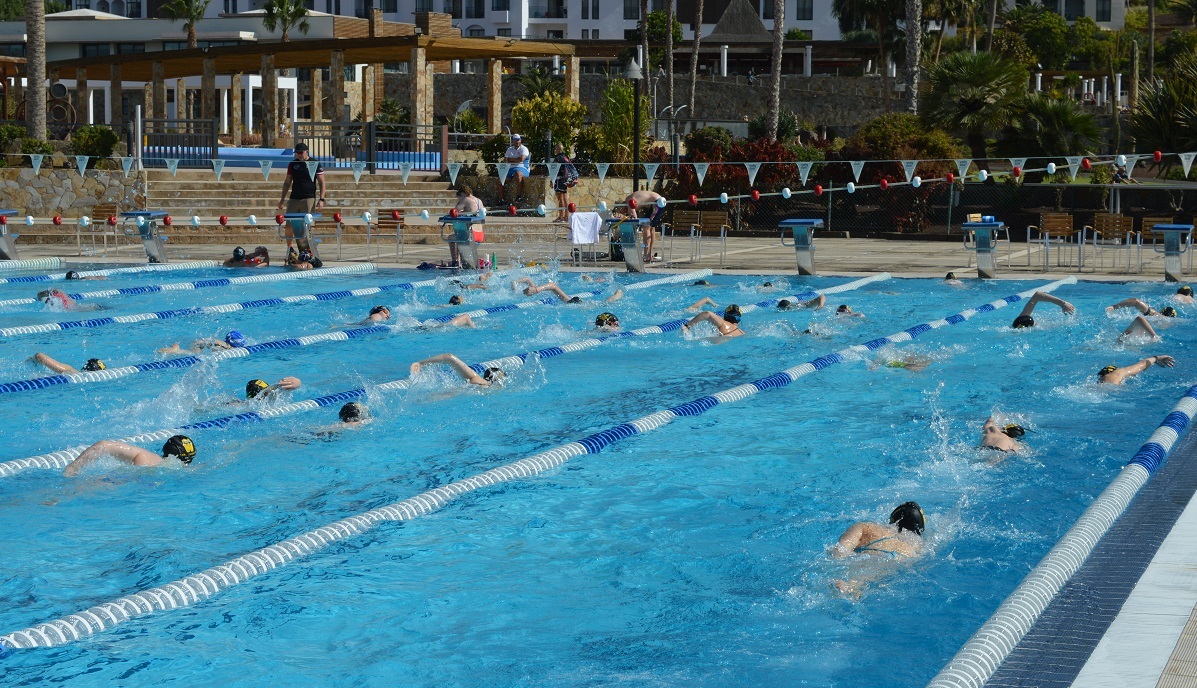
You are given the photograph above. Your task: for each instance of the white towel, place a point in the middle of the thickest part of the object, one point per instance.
(584, 228)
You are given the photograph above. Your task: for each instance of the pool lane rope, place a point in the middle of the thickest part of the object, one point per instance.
(357, 268)
(155, 267)
(60, 459)
(205, 584)
(31, 264)
(981, 656)
(182, 362)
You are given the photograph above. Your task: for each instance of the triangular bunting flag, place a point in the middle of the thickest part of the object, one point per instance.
(358, 168)
(1130, 163)
(504, 168)
(650, 171)
(962, 167)
(804, 171)
(908, 167)
(1186, 161)
(700, 170)
(172, 164)
(218, 167)
(602, 168)
(81, 164)
(554, 169)
(404, 170)
(126, 165)
(454, 168)
(266, 165)
(753, 168)
(1074, 162)
(35, 159)
(1020, 163)
(857, 166)
(312, 165)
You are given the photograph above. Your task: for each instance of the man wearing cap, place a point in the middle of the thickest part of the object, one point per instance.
(517, 154)
(307, 193)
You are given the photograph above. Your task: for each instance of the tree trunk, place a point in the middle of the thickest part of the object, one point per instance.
(883, 64)
(1150, 41)
(192, 39)
(285, 38)
(992, 22)
(939, 41)
(779, 39)
(670, 11)
(35, 54)
(914, 49)
(694, 56)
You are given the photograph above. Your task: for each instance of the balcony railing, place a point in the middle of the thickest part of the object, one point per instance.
(542, 10)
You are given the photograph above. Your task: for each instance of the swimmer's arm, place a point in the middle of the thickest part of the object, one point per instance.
(54, 365)
(287, 383)
(816, 303)
(614, 297)
(1131, 303)
(848, 542)
(450, 360)
(704, 301)
(1041, 296)
(118, 450)
(523, 280)
(704, 316)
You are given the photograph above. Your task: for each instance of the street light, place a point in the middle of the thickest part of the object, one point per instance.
(636, 75)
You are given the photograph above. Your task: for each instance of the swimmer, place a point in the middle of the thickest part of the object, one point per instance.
(1168, 312)
(480, 284)
(533, 289)
(56, 297)
(456, 300)
(701, 283)
(912, 362)
(1114, 375)
(951, 279)
(92, 365)
(704, 301)
(1139, 326)
(607, 321)
(728, 325)
(489, 377)
(814, 304)
(1024, 319)
(258, 389)
(72, 275)
(597, 280)
(304, 261)
(233, 340)
(876, 538)
(767, 286)
(1001, 438)
(377, 314)
(846, 311)
(260, 258)
(179, 447)
(1183, 295)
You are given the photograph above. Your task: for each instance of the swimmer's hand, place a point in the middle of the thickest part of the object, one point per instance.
(288, 383)
(172, 349)
(415, 369)
(1164, 361)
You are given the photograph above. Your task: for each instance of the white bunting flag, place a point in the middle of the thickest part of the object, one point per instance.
(857, 166)
(358, 168)
(172, 164)
(1186, 161)
(962, 167)
(1130, 163)
(454, 168)
(700, 170)
(804, 171)
(1074, 162)
(266, 165)
(554, 169)
(602, 168)
(753, 168)
(908, 167)
(126, 165)
(1020, 163)
(504, 168)
(35, 159)
(650, 171)
(404, 170)
(312, 165)
(218, 167)
(81, 164)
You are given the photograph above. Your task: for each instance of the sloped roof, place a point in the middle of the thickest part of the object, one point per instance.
(83, 14)
(739, 24)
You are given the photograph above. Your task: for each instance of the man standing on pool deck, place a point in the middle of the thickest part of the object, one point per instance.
(180, 447)
(644, 198)
(467, 204)
(517, 155)
(1114, 375)
(307, 194)
(1024, 319)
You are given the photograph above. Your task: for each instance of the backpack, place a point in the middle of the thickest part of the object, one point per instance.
(571, 174)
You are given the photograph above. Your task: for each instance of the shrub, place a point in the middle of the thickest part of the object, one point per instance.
(31, 146)
(544, 115)
(708, 142)
(10, 133)
(94, 140)
(787, 126)
(619, 104)
(468, 122)
(590, 147)
(493, 149)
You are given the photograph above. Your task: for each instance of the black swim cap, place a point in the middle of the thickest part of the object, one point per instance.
(1107, 370)
(93, 364)
(255, 387)
(784, 305)
(1014, 431)
(180, 446)
(576, 299)
(950, 276)
(379, 309)
(767, 284)
(1023, 321)
(1186, 290)
(238, 253)
(1168, 312)
(732, 314)
(701, 283)
(493, 374)
(353, 411)
(305, 256)
(843, 308)
(72, 275)
(606, 320)
(909, 516)
(455, 300)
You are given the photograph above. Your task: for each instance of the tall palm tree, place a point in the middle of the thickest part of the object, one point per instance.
(914, 51)
(284, 15)
(1165, 116)
(974, 94)
(1047, 126)
(1151, 40)
(187, 11)
(779, 41)
(670, 11)
(35, 69)
(878, 15)
(694, 54)
(1185, 10)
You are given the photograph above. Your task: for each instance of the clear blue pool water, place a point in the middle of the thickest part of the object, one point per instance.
(693, 555)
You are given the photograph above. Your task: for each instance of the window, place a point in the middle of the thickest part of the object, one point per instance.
(182, 45)
(12, 49)
(585, 10)
(1074, 9)
(424, 5)
(594, 8)
(805, 10)
(83, 4)
(475, 9)
(395, 68)
(657, 6)
(130, 48)
(230, 6)
(767, 9)
(585, 32)
(333, 6)
(133, 10)
(453, 8)
(503, 32)
(391, 6)
(500, 5)
(1103, 11)
(631, 9)
(558, 34)
(96, 49)
(631, 35)
(594, 34)
(476, 32)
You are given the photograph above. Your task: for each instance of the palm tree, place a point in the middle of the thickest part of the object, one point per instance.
(914, 50)
(35, 69)
(1150, 40)
(779, 40)
(1185, 10)
(284, 15)
(694, 54)
(993, 12)
(670, 10)
(878, 15)
(1165, 117)
(974, 94)
(187, 11)
(1047, 126)
(536, 81)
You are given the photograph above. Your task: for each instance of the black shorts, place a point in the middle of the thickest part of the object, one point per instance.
(657, 218)
(560, 186)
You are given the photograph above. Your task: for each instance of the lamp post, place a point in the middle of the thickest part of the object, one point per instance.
(635, 74)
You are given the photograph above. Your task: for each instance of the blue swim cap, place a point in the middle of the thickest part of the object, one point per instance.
(235, 339)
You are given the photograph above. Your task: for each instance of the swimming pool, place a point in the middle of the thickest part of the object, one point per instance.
(692, 555)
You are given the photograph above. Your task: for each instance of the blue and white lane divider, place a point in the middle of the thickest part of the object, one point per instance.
(31, 264)
(354, 269)
(547, 301)
(205, 584)
(107, 375)
(60, 459)
(156, 267)
(981, 656)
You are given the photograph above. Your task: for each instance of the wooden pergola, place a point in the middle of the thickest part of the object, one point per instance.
(9, 67)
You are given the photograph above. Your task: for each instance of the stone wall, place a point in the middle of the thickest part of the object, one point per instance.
(64, 191)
